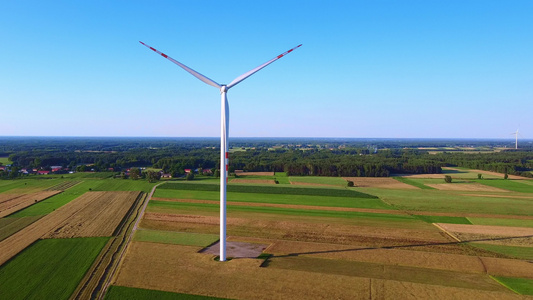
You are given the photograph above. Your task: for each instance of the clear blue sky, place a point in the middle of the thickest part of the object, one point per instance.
(399, 69)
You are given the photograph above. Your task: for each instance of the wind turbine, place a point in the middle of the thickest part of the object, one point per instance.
(224, 131)
(516, 138)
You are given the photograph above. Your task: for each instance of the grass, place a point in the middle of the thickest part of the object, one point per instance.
(452, 202)
(522, 286)
(166, 206)
(337, 181)
(124, 185)
(512, 251)
(276, 198)
(269, 190)
(501, 222)
(47, 206)
(172, 237)
(444, 219)
(506, 184)
(116, 292)
(49, 269)
(413, 182)
(4, 161)
(19, 185)
(9, 226)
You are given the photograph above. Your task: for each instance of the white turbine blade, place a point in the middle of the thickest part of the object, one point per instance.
(193, 72)
(251, 72)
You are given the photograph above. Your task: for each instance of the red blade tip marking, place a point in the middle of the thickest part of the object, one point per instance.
(280, 56)
(164, 55)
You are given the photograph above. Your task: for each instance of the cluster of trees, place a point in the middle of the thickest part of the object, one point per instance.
(314, 157)
(508, 162)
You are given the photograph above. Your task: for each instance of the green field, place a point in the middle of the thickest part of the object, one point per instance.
(275, 198)
(444, 219)
(511, 185)
(522, 286)
(49, 269)
(116, 292)
(172, 237)
(9, 226)
(512, 251)
(21, 184)
(452, 202)
(338, 181)
(4, 161)
(123, 185)
(284, 190)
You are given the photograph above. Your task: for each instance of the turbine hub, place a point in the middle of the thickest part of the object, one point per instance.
(223, 89)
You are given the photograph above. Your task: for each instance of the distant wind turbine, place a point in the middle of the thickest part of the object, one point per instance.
(516, 139)
(224, 131)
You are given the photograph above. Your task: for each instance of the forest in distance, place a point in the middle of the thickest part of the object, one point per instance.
(295, 156)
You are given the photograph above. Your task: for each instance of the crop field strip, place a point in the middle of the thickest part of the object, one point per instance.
(12, 245)
(101, 218)
(10, 206)
(121, 292)
(194, 269)
(56, 266)
(269, 190)
(90, 287)
(9, 226)
(276, 199)
(63, 185)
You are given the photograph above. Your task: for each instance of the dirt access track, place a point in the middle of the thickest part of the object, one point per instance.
(53, 221)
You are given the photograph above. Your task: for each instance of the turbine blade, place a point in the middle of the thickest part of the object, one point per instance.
(251, 72)
(193, 72)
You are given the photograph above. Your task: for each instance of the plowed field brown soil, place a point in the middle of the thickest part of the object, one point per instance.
(261, 181)
(101, 218)
(147, 266)
(11, 203)
(473, 187)
(380, 182)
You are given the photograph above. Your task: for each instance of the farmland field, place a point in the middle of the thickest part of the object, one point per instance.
(368, 239)
(56, 266)
(317, 181)
(383, 239)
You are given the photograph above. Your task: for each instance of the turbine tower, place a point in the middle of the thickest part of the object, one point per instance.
(224, 131)
(516, 138)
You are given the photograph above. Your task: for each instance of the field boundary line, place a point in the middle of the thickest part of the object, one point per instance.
(446, 231)
(505, 285)
(112, 274)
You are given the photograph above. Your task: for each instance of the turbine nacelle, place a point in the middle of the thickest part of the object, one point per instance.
(224, 88)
